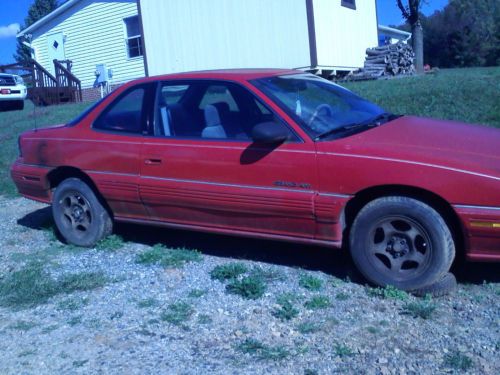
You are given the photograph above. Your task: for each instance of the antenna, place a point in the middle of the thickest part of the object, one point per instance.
(34, 113)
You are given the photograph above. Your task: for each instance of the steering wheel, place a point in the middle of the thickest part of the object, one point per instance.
(321, 110)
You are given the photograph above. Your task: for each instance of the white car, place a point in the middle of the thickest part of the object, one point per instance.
(12, 91)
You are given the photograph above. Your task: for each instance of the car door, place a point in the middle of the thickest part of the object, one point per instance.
(201, 168)
(110, 154)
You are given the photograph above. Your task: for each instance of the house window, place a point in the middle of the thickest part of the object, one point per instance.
(134, 37)
(349, 4)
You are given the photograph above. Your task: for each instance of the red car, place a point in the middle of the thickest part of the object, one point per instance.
(277, 154)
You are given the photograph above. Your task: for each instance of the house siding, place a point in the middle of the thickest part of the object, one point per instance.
(344, 34)
(183, 35)
(94, 34)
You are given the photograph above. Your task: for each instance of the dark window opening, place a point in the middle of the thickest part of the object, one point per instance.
(133, 37)
(349, 4)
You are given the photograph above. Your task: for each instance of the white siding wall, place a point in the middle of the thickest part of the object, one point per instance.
(343, 34)
(95, 34)
(183, 35)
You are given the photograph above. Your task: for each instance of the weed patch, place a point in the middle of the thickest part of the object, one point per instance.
(173, 258)
(342, 350)
(422, 309)
(342, 296)
(389, 292)
(32, 285)
(286, 310)
(249, 287)
(148, 302)
(261, 351)
(110, 243)
(197, 293)
(318, 302)
(229, 271)
(457, 361)
(22, 325)
(310, 282)
(177, 313)
(309, 327)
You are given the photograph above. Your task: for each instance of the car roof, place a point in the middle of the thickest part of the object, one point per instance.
(227, 74)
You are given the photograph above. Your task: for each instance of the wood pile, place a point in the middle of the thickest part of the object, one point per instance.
(389, 60)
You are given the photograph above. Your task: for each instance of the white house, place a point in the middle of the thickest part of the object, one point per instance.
(135, 38)
(90, 32)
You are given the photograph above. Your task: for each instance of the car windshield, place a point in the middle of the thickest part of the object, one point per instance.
(320, 107)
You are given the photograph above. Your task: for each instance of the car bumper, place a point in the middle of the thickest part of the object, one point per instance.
(482, 232)
(10, 93)
(31, 181)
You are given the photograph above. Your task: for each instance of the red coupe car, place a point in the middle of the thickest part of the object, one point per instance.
(277, 154)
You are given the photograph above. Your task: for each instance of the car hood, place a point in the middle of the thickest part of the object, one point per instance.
(449, 144)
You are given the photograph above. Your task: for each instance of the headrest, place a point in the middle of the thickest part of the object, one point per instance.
(212, 117)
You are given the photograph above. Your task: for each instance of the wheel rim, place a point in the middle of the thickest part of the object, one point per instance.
(76, 213)
(399, 247)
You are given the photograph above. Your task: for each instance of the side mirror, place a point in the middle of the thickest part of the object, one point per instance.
(269, 132)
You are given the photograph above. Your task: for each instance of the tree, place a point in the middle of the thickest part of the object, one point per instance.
(37, 10)
(411, 13)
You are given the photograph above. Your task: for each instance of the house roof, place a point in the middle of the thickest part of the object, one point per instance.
(42, 21)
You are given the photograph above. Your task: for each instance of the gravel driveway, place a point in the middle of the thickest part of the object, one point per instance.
(237, 306)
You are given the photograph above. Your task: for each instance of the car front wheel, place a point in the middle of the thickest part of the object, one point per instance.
(79, 216)
(401, 241)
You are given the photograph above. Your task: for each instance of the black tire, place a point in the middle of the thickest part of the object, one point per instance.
(19, 105)
(401, 241)
(79, 216)
(446, 285)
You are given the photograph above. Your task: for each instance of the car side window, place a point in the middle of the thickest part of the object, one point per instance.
(125, 114)
(209, 110)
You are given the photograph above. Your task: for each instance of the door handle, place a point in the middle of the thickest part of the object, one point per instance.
(152, 161)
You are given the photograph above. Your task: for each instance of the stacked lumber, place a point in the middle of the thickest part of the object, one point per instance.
(389, 60)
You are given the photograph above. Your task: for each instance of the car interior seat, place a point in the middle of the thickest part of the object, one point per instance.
(213, 126)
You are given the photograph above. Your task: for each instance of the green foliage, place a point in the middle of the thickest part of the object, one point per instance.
(458, 361)
(37, 10)
(310, 282)
(318, 302)
(464, 33)
(467, 95)
(177, 313)
(32, 285)
(286, 310)
(148, 302)
(342, 350)
(342, 296)
(197, 293)
(228, 271)
(261, 351)
(110, 243)
(249, 287)
(73, 304)
(389, 292)
(309, 327)
(173, 258)
(422, 309)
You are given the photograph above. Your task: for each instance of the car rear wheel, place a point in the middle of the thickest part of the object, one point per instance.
(401, 241)
(80, 217)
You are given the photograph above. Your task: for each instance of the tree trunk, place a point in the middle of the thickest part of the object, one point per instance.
(418, 45)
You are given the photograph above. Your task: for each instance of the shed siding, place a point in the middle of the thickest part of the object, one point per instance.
(95, 34)
(183, 35)
(343, 34)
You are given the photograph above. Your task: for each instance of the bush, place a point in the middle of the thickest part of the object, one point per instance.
(228, 271)
(249, 287)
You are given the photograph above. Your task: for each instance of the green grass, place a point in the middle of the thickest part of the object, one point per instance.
(389, 292)
(309, 327)
(32, 285)
(318, 302)
(249, 287)
(421, 309)
(262, 351)
(228, 271)
(458, 361)
(343, 350)
(172, 258)
(286, 309)
(470, 95)
(177, 313)
(110, 243)
(148, 302)
(13, 123)
(310, 282)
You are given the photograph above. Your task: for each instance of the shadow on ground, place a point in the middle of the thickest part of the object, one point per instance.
(331, 261)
